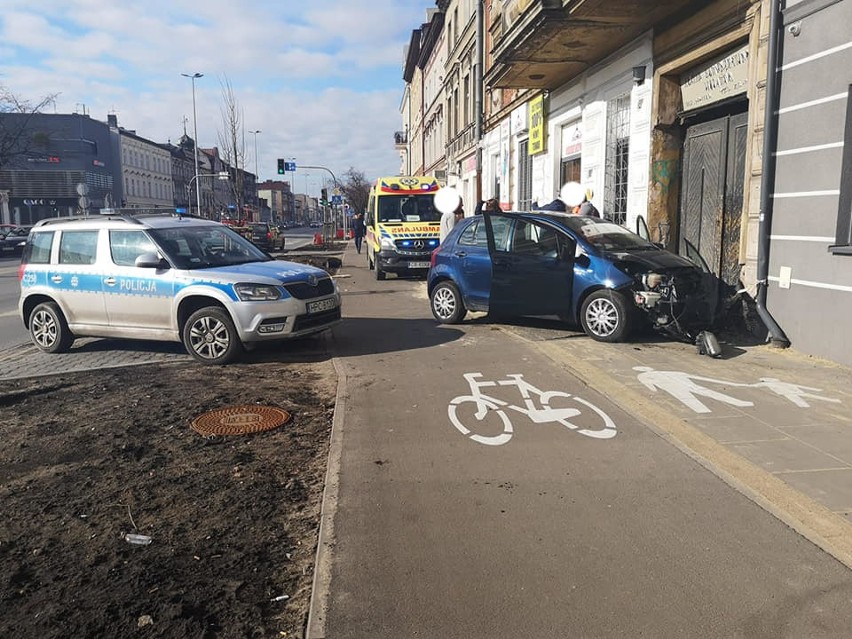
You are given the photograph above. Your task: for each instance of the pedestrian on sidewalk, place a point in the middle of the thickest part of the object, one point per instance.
(359, 229)
(449, 202)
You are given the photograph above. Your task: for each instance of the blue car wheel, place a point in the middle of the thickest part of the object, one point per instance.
(447, 304)
(606, 316)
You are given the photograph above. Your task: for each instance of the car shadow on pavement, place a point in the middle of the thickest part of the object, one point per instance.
(137, 346)
(358, 336)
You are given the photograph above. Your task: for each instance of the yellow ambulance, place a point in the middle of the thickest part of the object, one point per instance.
(403, 225)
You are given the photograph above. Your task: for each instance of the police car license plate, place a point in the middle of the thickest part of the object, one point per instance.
(321, 305)
(419, 265)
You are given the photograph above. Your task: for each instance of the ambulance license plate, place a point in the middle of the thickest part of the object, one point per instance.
(321, 305)
(419, 265)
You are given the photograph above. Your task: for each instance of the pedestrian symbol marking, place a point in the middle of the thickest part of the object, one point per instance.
(793, 392)
(539, 413)
(685, 388)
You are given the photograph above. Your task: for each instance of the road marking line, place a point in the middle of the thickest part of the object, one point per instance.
(812, 520)
(9, 314)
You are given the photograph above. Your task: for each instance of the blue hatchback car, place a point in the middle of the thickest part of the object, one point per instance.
(584, 270)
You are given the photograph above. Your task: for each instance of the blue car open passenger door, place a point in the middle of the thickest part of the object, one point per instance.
(532, 267)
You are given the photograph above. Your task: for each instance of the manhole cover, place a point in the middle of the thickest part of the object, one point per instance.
(240, 420)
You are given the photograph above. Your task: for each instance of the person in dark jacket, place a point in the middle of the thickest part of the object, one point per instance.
(359, 229)
(490, 204)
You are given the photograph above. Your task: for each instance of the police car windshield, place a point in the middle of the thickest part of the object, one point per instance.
(408, 208)
(194, 247)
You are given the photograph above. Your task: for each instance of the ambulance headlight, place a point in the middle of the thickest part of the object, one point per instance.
(387, 243)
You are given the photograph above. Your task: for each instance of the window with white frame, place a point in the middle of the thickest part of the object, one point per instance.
(617, 158)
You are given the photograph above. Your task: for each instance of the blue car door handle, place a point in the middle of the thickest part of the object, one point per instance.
(460, 254)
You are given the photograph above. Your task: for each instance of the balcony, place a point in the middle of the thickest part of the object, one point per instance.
(400, 140)
(542, 44)
(461, 142)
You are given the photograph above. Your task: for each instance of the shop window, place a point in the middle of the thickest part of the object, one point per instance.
(843, 242)
(570, 171)
(617, 159)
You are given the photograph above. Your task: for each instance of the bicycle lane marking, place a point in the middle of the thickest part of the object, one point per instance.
(540, 412)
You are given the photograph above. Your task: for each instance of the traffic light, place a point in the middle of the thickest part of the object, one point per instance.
(280, 166)
(324, 197)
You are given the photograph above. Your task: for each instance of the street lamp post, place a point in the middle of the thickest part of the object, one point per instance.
(195, 133)
(256, 174)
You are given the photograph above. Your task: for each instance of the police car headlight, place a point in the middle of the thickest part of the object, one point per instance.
(257, 292)
(387, 243)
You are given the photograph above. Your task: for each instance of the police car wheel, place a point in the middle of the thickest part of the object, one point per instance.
(49, 330)
(210, 336)
(447, 304)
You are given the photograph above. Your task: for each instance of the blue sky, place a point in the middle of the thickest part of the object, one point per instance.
(321, 80)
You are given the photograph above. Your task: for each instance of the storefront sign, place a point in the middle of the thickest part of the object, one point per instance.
(43, 201)
(537, 126)
(716, 80)
(572, 139)
(519, 119)
(47, 159)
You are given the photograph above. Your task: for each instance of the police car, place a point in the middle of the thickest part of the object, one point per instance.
(166, 277)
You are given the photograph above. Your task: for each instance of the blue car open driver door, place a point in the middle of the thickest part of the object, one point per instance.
(532, 267)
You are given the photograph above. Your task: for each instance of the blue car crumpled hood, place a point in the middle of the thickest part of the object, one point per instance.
(272, 272)
(652, 260)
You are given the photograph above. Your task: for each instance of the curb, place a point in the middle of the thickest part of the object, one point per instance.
(315, 626)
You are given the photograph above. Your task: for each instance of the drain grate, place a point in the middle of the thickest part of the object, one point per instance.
(240, 420)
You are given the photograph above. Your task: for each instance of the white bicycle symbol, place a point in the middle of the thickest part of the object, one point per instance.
(539, 415)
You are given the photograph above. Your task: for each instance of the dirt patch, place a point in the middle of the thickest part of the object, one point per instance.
(87, 458)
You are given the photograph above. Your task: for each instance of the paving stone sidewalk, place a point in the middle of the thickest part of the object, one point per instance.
(785, 412)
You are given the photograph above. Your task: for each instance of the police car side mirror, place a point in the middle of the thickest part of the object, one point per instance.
(151, 260)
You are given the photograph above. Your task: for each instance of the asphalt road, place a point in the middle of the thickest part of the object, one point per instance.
(12, 332)
(553, 533)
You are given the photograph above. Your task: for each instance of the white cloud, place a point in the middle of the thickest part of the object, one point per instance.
(292, 66)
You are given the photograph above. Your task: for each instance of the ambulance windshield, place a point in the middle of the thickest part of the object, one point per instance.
(408, 208)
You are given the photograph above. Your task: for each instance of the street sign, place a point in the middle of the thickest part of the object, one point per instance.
(290, 166)
(337, 199)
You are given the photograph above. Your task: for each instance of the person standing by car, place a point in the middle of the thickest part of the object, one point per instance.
(448, 221)
(459, 212)
(576, 200)
(490, 204)
(359, 229)
(449, 203)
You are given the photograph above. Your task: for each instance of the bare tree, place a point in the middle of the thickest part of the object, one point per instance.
(15, 140)
(356, 189)
(232, 142)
